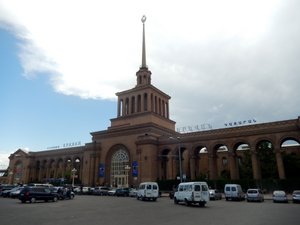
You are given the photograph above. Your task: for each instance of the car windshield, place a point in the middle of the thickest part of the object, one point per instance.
(279, 193)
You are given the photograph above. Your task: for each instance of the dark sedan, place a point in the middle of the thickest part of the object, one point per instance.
(122, 192)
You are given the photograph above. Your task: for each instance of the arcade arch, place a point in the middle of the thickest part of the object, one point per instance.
(266, 159)
(290, 153)
(118, 168)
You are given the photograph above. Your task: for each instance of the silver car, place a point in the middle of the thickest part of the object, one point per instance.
(296, 196)
(254, 195)
(215, 194)
(280, 196)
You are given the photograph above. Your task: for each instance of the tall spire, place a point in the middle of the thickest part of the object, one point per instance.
(143, 76)
(144, 65)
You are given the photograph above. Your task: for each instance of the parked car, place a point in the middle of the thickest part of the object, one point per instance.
(4, 188)
(215, 194)
(254, 195)
(101, 190)
(296, 196)
(132, 192)
(6, 193)
(280, 196)
(63, 192)
(87, 190)
(37, 193)
(15, 193)
(77, 190)
(122, 192)
(111, 192)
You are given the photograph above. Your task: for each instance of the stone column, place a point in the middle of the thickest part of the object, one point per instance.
(197, 165)
(92, 169)
(212, 165)
(255, 167)
(280, 166)
(142, 102)
(25, 176)
(232, 166)
(124, 107)
(97, 162)
(159, 163)
(148, 102)
(192, 167)
(169, 167)
(119, 105)
(174, 167)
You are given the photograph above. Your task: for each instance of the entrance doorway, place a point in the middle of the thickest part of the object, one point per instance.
(120, 180)
(119, 173)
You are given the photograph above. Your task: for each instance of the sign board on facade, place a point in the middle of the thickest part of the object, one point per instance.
(134, 168)
(101, 170)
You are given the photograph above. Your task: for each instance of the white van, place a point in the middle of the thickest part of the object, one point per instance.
(234, 192)
(192, 193)
(148, 191)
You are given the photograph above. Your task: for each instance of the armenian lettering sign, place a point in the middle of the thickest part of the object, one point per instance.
(240, 123)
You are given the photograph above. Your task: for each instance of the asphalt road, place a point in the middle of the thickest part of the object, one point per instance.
(106, 210)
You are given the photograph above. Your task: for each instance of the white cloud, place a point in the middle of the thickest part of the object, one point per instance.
(217, 59)
(4, 161)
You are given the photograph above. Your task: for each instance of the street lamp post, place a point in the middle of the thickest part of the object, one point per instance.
(179, 156)
(180, 163)
(73, 176)
(127, 168)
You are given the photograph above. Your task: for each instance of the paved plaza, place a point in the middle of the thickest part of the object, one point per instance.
(106, 210)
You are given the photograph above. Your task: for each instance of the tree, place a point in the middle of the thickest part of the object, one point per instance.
(245, 167)
(267, 160)
(291, 165)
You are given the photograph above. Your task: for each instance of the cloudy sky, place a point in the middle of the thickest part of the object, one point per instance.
(61, 63)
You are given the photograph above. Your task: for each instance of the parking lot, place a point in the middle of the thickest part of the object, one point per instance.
(89, 210)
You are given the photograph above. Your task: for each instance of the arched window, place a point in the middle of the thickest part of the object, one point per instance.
(18, 172)
(119, 175)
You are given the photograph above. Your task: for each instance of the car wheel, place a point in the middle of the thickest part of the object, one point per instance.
(72, 196)
(33, 200)
(201, 204)
(187, 202)
(175, 201)
(55, 199)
